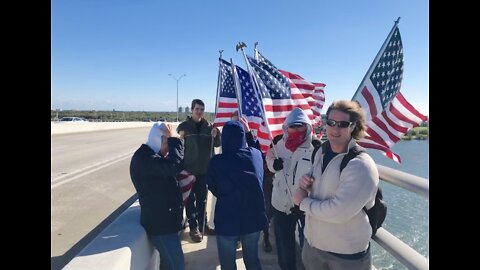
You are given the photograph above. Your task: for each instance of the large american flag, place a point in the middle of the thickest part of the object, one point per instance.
(311, 94)
(389, 115)
(282, 91)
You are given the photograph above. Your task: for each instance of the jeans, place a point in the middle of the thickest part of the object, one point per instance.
(284, 227)
(227, 251)
(170, 250)
(196, 203)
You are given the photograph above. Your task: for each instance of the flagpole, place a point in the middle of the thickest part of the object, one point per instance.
(255, 51)
(237, 87)
(218, 83)
(379, 54)
(240, 46)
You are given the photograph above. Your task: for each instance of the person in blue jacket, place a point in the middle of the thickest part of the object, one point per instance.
(235, 178)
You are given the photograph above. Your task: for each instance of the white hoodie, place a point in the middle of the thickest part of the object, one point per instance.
(295, 164)
(154, 140)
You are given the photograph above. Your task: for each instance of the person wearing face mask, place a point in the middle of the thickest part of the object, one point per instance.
(153, 171)
(337, 230)
(289, 157)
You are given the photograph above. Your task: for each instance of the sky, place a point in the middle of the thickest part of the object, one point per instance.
(117, 54)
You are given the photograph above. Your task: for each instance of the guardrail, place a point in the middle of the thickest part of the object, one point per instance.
(58, 128)
(123, 245)
(401, 251)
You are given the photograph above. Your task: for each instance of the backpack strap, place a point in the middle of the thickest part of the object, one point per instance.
(276, 139)
(316, 145)
(352, 153)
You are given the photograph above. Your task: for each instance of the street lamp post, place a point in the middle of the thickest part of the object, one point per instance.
(175, 78)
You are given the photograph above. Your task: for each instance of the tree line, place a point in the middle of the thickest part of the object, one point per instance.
(124, 116)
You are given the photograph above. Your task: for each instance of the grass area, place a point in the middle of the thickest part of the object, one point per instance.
(417, 133)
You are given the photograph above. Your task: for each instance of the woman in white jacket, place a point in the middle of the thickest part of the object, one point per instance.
(337, 230)
(290, 159)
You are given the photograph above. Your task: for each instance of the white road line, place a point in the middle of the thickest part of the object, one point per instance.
(87, 170)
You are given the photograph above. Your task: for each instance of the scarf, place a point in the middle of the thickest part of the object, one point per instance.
(294, 140)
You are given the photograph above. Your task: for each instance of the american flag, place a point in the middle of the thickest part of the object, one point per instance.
(389, 115)
(227, 101)
(282, 91)
(226, 94)
(307, 95)
(185, 180)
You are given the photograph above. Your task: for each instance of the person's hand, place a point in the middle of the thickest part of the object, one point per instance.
(244, 122)
(278, 164)
(214, 132)
(169, 131)
(306, 182)
(298, 197)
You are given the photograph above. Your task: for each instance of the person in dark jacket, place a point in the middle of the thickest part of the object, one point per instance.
(153, 171)
(267, 179)
(235, 178)
(200, 138)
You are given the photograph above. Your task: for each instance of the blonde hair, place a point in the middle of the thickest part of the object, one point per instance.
(357, 116)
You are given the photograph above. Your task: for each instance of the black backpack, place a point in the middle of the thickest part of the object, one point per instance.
(377, 213)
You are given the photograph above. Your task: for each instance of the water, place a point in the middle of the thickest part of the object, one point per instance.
(407, 216)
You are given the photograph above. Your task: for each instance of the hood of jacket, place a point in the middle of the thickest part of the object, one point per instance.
(297, 115)
(233, 136)
(154, 140)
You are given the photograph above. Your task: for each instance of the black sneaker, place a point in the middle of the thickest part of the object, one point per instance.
(209, 231)
(195, 235)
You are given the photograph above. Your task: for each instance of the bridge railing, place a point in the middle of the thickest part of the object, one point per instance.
(396, 247)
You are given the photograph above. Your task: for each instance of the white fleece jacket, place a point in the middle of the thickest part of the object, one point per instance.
(295, 164)
(335, 220)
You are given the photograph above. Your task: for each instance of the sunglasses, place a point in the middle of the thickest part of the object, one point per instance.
(295, 126)
(340, 124)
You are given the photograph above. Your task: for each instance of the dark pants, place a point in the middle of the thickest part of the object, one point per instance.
(170, 250)
(196, 203)
(267, 193)
(284, 226)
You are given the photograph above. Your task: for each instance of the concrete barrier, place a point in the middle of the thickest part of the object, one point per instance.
(122, 245)
(66, 128)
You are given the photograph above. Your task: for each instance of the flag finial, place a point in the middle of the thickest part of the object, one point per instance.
(240, 45)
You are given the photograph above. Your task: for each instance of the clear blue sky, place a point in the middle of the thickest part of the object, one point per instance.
(117, 54)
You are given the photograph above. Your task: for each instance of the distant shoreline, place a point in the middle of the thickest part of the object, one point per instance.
(417, 133)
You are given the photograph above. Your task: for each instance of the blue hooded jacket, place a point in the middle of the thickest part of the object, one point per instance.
(235, 178)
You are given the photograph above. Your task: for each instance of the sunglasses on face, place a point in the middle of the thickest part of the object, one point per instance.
(296, 126)
(340, 124)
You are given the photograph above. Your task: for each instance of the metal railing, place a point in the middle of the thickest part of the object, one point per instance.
(396, 247)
